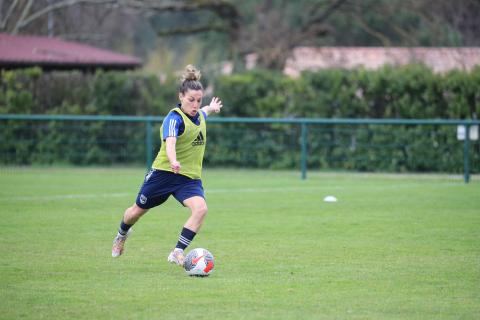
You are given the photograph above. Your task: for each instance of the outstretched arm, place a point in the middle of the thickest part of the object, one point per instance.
(214, 106)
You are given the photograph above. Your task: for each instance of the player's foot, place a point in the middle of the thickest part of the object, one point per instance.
(176, 256)
(119, 243)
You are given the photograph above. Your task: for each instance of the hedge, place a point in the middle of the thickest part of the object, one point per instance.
(406, 92)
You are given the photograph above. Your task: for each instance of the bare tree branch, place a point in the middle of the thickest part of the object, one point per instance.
(409, 39)
(3, 22)
(278, 32)
(361, 22)
(223, 9)
(192, 30)
(324, 15)
(24, 20)
(25, 11)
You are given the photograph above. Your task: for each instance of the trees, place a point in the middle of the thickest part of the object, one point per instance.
(282, 25)
(409, 23)
(125, 25)
(233, 29)
(18, 14)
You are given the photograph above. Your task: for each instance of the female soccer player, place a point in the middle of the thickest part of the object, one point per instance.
(178, 166)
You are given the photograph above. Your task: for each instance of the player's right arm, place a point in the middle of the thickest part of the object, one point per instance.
(172, 154)
(171, 127)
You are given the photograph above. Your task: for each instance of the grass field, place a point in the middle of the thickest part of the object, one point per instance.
(392, 247)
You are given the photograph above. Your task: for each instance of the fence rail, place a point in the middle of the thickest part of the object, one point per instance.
(303, 125)
(353, 121)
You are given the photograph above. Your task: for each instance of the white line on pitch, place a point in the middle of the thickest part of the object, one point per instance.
(123, 194)
(211, 191)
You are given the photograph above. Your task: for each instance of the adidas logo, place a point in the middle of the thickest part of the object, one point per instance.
(199, 140)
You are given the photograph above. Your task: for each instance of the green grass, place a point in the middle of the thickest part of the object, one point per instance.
(393, 247)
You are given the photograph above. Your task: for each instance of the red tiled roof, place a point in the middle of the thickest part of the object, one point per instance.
(53, 52)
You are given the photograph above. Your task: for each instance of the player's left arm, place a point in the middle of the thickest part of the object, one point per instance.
(214, 107)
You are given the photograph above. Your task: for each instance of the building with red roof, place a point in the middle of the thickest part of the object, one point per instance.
(56, 54)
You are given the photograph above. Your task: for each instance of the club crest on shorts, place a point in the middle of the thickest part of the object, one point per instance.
(143, 199)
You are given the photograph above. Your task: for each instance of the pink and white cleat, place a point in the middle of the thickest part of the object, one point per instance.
(176, 256)
(119, 243)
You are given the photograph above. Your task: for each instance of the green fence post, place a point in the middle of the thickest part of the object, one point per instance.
(466, 156)
(148, 143)
(304, 155)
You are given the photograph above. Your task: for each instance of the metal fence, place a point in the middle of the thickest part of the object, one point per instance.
(391, 145)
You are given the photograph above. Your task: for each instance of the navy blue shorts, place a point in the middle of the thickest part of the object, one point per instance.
(159, 185)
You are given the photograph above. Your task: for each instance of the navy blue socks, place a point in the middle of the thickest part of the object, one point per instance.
(185, 238)
(124, 228)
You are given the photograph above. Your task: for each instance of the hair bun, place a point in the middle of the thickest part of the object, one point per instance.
(191, 73)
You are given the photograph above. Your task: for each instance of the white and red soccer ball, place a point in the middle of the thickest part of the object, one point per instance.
(199, 262)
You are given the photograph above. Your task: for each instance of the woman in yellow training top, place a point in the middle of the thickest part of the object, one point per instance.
(177, 168)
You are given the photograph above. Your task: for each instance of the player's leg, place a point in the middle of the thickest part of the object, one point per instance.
(191, 195)
(198, 208)
(152, 193)
(131, 215)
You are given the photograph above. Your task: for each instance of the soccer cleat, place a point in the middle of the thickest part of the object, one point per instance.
(119, 243)
(176, 256)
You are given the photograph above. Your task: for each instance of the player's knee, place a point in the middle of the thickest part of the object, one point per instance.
(200, 211)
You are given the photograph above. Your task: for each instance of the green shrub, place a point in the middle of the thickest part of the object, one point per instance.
(408, 92)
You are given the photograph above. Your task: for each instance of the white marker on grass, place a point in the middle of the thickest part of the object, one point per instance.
(330, 199)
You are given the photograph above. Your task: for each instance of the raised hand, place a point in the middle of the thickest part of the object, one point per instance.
(215, 105)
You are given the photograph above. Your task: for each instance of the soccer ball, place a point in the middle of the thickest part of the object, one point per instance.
(199, 262)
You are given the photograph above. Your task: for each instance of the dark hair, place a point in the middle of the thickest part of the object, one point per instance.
(190, 79)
